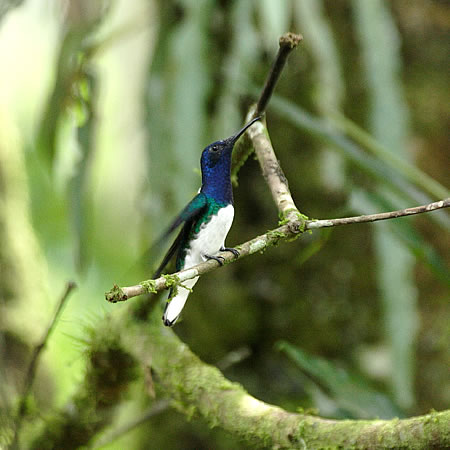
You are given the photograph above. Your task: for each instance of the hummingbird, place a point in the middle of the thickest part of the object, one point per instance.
(206, 220)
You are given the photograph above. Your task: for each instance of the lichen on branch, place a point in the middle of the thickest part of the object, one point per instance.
(200, 390)
(286, 232)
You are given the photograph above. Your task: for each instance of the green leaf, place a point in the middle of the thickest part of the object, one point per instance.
(406, 232)
(351, 392)
(376, 169)
(410, 172)
(315, 246)
(388, 117)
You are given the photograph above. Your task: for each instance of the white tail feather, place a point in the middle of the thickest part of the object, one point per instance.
(176, 304)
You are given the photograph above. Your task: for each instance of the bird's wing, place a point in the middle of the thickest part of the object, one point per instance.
(168, 256)
(193, 209)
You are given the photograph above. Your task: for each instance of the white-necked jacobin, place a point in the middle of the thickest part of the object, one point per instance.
(207, 220)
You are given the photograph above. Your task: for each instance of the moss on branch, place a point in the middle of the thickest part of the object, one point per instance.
(109, 371)
(200, 390)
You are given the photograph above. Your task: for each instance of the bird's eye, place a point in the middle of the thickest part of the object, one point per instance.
(214, 148)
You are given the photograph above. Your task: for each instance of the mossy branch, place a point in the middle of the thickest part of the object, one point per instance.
(290, 230)
(200, 390)
(110, 370)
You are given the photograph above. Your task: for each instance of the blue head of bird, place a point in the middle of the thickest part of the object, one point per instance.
(216, 166)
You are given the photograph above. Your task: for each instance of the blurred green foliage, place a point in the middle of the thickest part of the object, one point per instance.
(105, 108)
(352, 395)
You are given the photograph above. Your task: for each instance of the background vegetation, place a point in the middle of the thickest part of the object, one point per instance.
(104, 110)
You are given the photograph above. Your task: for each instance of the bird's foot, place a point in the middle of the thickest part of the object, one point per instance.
(219, 259)
(232, 250)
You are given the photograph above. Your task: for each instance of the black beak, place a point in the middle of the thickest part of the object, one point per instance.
(232, 140)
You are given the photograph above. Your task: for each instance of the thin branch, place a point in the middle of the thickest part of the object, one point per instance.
(272, 171)
(157, 408)
(311, 225)
(258, 244)
(274, 176)
(31, 372)
(285, 232)
(287, 43)
(205, 392)
(233, 357)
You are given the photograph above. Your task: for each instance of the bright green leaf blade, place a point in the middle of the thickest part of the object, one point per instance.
(72, 49)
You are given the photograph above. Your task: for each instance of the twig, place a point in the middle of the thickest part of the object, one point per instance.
(274, 177)
(157, 408)
(272, 171)
(311, 225)
(283, 233)
(121, 294)
(31, 372)
(287, 42)
(233, 357)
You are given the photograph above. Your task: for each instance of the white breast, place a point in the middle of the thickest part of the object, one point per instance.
(211, 237)
(209, 241)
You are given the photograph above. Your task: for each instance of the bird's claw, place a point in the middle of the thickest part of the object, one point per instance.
(232, 250)
(219, 259)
